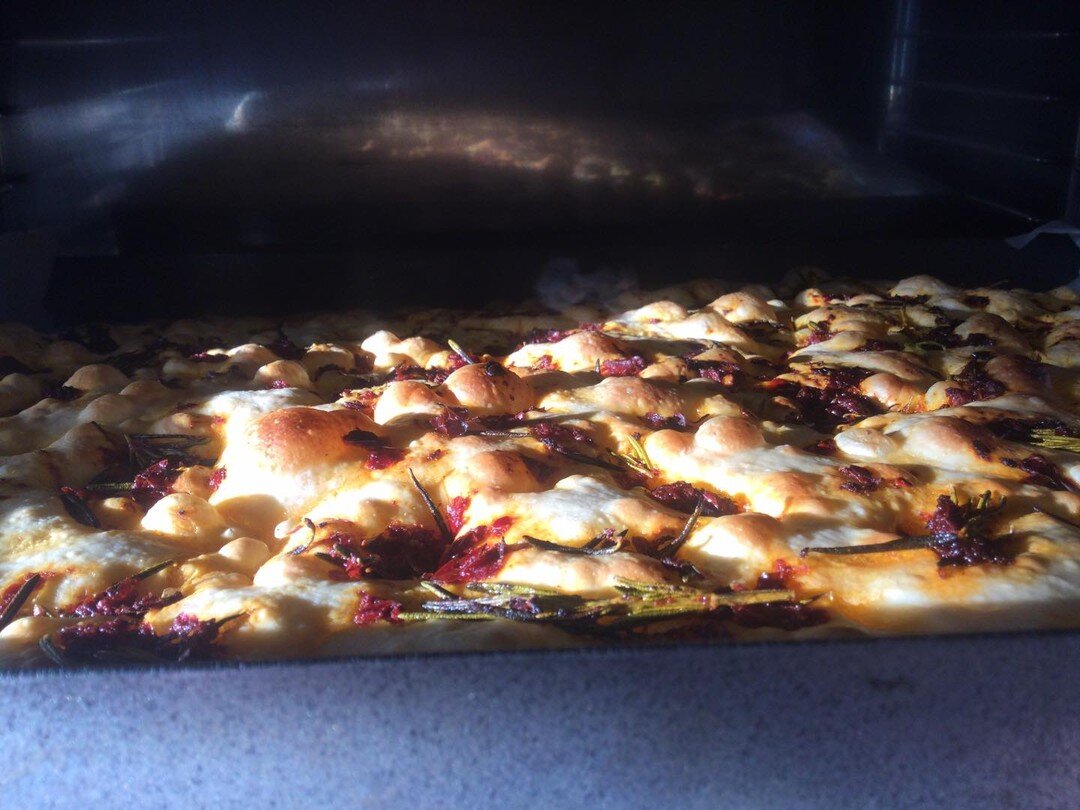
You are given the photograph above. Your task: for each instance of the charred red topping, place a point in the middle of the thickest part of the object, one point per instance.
(208, 357)
(683, 497)
(455, 361)
(778, 579)
(555, 335)
(121, 599)
(371, 609)
(958, 538)
(1045, 473)
(89, 638)
(823, 409)
(216, 477)
(781, 615)
(408, 371)
(539, 470)
(658, 422)
(560, 438)
(624, 367)
(9, 592)
(1021, 430)
(719, 371)
(546, 336)
(455, 513)
(451, 422)
(860, 480)
(402, 551)
(193, 637)
(874, 345)
(362, 399)
(285, 348)
(155, 482)
(826, 447)
(380, 456)
(480, 562)
(819, 333)
(946, 338)
(785, 615)
(545, 363)
(472, 557)
(843, 376)
(187, 638)
(456, 422)
(977, 385)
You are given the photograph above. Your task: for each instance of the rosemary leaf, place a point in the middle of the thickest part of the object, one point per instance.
(444, 530)
(52, 651)
(581, 458)
(78, 510)
(146, 573)
(423, 616)
(637, 459)
(637, 603)
(10, 612)
(586, 550)
(899, 544)
(437, 589)
(672, 548)
(510, 588)
(460, 352)
(110, 486)
(1052, 441)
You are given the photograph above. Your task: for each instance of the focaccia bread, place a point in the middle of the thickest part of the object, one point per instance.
(699, 462)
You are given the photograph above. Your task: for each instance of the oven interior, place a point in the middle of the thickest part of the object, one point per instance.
(241, 157)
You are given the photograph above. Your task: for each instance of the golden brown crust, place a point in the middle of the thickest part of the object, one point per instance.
(274, 464)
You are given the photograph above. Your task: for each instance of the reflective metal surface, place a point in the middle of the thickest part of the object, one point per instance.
(238, 125)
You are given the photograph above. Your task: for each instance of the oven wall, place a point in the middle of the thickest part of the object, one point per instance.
(108, 110)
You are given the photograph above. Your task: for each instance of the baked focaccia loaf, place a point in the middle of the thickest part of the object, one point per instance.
(695, 462)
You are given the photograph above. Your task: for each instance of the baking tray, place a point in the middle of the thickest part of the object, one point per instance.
(978, 721)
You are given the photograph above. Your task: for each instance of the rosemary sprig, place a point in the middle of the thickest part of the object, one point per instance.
(146, 573)
(76, 507)
(310, 524)
(899, 544)
(588, 550)
(637, 459)
(637, 603)
(581, 458)
(460, 352)
(444, 530)
(605, 537)
(975, 514)
(145, 449)
(175, 646)
(1052, 441)
(18, 599)
(52, 651)
(671, 548)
